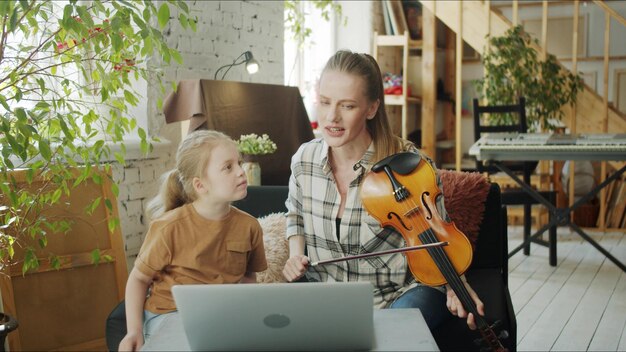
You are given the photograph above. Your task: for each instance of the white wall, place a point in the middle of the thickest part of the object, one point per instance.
(357, 34)
(225, 30)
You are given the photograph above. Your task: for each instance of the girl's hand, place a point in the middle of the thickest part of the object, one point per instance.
(133, 341)
(295, 267)
(456, 308)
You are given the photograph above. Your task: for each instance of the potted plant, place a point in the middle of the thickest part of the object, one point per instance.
(250, 146)
(513, 68)
(67, 71)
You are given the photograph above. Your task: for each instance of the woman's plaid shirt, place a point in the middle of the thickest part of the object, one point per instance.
(313, 205)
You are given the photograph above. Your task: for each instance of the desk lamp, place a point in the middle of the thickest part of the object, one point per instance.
(251, 64)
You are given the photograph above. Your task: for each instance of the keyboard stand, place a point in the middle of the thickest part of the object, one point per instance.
(561, 216)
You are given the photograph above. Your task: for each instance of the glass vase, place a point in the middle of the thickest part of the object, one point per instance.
(253, 171)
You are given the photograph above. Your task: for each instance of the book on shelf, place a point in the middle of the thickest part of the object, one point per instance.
(397, 21)
(397, 13)
(393, 19)
(387, 19)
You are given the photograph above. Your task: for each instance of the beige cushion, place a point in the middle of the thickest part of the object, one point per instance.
(276, 247)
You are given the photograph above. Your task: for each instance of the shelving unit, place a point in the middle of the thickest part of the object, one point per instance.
(404, 44)
(392, 53)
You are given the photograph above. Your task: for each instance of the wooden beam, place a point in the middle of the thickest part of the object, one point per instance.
(527, 3)
(405, 84)
(544, 30)
(459, 70)
(605, 113)
(611, 12)
(572, 167)
(429, 82)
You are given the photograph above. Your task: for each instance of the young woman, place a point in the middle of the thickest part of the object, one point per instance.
(197, 237)
(326, 218)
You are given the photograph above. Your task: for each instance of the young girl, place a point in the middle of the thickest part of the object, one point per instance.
(197, 237)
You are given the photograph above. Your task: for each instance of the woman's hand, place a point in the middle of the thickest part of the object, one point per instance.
(456, 308)
(295, 267)
(133, 341)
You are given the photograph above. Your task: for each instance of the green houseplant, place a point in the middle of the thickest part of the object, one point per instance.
(513, 68)
(67, 71)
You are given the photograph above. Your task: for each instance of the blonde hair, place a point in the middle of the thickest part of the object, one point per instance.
(365, 66)
(192, 159)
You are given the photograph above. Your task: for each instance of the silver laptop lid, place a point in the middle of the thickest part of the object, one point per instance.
(290, 316)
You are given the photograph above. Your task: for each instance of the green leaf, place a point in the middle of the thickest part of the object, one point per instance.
(55, 262)
(84, 15)
(112, 224)
(5, 7)
(93, 205)
(163, 15)
(44, 149)
(13, 20)
(117, 42)
(3, 101)
(177, 57)
(95, 256)
(67, 14)
(56, 195)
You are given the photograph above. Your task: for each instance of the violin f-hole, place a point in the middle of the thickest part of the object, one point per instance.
(399, 219)
(429, 212)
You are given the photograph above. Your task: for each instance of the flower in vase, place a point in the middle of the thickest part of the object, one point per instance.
(253, 144)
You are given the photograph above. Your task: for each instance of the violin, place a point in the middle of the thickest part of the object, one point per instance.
(401, 192)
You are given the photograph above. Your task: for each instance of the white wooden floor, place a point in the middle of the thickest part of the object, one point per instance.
(579, 305)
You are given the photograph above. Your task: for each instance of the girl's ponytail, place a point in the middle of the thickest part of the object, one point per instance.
(171, 195)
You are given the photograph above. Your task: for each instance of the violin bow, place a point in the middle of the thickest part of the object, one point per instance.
(375, 254)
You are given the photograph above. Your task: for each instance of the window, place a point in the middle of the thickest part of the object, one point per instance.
(303, 64)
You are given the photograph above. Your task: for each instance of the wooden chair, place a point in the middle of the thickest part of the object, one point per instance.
(515, 196)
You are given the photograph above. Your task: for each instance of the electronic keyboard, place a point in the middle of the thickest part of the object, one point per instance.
(549, 146)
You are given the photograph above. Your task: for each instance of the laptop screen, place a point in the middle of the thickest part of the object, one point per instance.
(285, 316)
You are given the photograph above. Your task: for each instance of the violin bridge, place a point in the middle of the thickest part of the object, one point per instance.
(412, 211)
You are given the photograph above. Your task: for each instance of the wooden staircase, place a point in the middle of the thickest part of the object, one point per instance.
(475, 20)
(479, 20)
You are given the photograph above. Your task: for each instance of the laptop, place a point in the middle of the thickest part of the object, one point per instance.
(277, 317)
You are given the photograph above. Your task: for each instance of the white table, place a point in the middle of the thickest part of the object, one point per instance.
(394, 330)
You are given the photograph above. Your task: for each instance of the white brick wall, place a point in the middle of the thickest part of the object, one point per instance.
(225, 30)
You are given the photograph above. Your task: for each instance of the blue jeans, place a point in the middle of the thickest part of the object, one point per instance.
(152, 321)
(430, 301)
